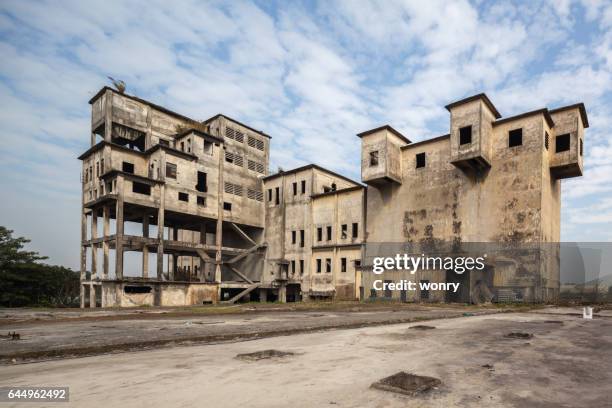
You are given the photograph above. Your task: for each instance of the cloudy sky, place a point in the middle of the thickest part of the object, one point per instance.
(311, 74)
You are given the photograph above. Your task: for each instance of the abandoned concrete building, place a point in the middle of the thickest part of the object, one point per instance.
(189, 214)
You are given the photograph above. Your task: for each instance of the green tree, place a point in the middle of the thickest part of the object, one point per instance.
(26, 282)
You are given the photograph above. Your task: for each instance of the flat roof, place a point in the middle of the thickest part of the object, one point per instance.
(384, 127)
(580, 107)
(482, 96)
(307, 167)
(542, 111)
(237, 122)
(422, 142)
(197, 132)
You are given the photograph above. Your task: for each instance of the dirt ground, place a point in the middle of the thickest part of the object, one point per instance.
(567, 363)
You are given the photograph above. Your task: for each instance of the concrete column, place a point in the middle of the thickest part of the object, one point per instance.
(172, 271)
(94, 246)
(119, 234)
(82, 295)
(202, 273)
(105, 246)
(282, 294)
(160, 233)
(92, 296)
(145, 248)
(219, 229)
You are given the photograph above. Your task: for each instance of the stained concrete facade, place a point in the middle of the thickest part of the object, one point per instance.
(195, 203)
(490, 180)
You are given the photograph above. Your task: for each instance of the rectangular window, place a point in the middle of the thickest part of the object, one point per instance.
(127, 167)
(515, 137)
(183, 197)
(171, 170)
(301, 266)
(227, 206)
(302, 238)
(292, 266)
(97, 169)
(355, 230)
(269, 195)
(420, 160)
(141, 188)
(328, 265)
(294, 189)
(318, 265)
(329, 233)
(182, 146)
(357, 263)
(465, 135)
(102, 165)
(342, 264)
(208, 147)
(293, 237)
(562, 143)
(277, 195)
(201, 186)
(344, 231)
(374, 158)
(546, 140)
(201, 201)
(303, 186)
(320, 234)
(581, 147)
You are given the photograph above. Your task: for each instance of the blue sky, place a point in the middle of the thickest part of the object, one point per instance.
(311, 74)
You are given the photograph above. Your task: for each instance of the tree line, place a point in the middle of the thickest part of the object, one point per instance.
(26, 281)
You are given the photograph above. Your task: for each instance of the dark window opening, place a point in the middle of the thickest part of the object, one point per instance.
(546, 140)
(319, 234)
(293, 237)
(515, 138)
(328, 265)
(333, 187)
(424, 292)
(164, 142)
(292, 266)
(301, 266)
(277, 195)
(388, 293)
(465, 135)
(342, 264)
(127, 167)
(355, 230)
(344, 231)
(374, 158)
(182, 146)
(420, 160)
(357, 263)
(269, 195)
(302, 238)
(201, 186)
(183, 197)
(318, 265)
(329, 233)
(201, 201)
(581, 147)
(141, 188)
(294, 188)
(128, 137)
(171, 170)
(562, 143)
(227, 206)
(137, 289)
(326, 189)
(303, 186)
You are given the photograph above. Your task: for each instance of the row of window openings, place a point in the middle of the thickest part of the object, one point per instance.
(343, 233)
(276, 193)
(186, 147)
(515, 138)
(238, 160)
(89, 175)
(239, 137)
(328, 265)
(294, 264)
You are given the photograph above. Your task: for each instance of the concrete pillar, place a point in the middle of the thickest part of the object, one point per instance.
(119, 233)
(145, 248)
(94, 246)
(202, 273)
(172, 271)
(160, 233)
(82, 294)
(105, 246)
(282, 294)
(92, 296)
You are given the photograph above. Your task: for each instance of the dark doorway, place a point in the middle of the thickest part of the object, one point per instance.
(403, 295)
(463, 292)
(425, 292)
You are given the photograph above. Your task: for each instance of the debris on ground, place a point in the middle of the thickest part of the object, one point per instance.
(407, 383)
(265, 354)
(519, 335)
